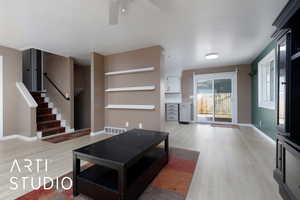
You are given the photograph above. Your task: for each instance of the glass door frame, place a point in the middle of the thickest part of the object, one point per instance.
(234, 98)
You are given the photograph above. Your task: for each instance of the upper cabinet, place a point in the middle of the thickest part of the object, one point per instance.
(282, 92)
(173, 84)
(287, 35)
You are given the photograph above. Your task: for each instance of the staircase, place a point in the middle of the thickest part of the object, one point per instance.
(46, 120)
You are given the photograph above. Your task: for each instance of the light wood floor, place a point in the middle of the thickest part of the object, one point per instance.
(234, 164)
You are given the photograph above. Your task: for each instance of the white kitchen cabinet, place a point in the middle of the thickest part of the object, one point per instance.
(185, 110)
(173, 84)
(172, 111)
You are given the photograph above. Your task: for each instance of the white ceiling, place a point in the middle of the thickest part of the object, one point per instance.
(186, 29)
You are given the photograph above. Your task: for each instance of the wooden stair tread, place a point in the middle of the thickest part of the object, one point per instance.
(42, 111)
(52, 129)
(42, 103)
(48, 122)
(46, 115)
(43, 108)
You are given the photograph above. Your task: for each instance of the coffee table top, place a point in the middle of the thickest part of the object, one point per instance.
(122, 149)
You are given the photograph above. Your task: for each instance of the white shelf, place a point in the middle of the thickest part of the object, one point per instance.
(130, 107)
(177, 102)
(145, 69)
(172, 92)
(124, 89)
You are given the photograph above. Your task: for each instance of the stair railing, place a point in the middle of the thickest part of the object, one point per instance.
(55, 86)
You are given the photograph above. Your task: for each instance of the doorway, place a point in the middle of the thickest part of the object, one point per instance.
(82, 97)
(215, 98)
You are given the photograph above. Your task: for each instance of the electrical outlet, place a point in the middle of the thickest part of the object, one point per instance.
(140, 125)
(127, 124)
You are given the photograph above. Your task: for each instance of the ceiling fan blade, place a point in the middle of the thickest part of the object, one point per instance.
(161, 4)
(114, 11)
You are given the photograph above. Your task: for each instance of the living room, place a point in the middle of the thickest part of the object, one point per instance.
(123, 99)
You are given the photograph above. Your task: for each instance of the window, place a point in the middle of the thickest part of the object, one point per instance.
(266, 81)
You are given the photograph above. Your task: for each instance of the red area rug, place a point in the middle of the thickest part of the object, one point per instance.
(172, 183)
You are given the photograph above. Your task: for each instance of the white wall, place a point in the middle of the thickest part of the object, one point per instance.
(172, 86)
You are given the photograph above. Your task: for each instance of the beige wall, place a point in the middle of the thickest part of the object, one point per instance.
(26, 120)
(60, 70)
(162, 93)
(97, 93)
(15, 122)
(12, 73)
(151, 119)
(243, 87)
(82, 96)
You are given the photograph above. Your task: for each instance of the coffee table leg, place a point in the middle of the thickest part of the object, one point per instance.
(167, 146)
(122, 183)
(76, 171)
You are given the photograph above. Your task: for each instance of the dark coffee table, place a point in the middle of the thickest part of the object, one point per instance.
(124, 165)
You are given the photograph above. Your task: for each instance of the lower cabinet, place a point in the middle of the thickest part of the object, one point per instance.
(287, 171)
(278, 172)
(292, 171)
(172, 111)
(185, 113)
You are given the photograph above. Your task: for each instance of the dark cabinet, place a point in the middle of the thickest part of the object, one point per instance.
(278, 172)
(287, 35)
(287, 171)
(292, 171)
(283, 86)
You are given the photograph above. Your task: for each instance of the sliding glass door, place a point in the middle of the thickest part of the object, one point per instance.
(215, 98)
(205, 95)
(223, 100)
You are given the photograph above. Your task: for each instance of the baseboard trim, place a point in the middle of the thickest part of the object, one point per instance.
(257, 130)
(245, 124)
(21, 137)
(68, 131)
(56, 135)
(97, 133)
(263, 134)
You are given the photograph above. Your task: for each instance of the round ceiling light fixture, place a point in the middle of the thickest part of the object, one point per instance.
(211, 56)
(123, 10)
